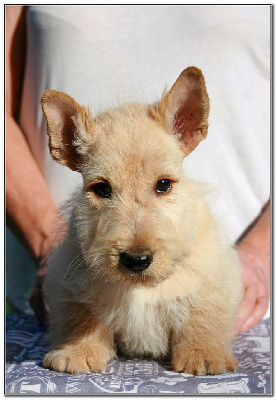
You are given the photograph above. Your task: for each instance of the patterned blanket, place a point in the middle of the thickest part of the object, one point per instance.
(26, 345)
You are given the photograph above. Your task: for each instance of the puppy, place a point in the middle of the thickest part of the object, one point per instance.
(143, 267)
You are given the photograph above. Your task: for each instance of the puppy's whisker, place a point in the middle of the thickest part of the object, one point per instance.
(96, 260)
(77, 266)
(73, 263)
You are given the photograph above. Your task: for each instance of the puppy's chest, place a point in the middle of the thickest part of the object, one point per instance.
(142, 324)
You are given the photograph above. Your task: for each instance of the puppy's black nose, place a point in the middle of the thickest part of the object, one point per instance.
(136, 262)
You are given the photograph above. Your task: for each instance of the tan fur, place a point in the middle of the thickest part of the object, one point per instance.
(185, 303)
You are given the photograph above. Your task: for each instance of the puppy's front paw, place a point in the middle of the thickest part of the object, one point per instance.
(78, 359)
(203, 362)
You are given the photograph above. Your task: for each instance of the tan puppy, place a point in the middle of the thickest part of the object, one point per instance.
(143, 267)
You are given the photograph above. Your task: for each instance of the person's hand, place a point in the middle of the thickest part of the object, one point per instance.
(254, 255)
(36, 297)
(256, 282)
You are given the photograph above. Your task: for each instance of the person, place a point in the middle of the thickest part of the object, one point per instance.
(96, 53)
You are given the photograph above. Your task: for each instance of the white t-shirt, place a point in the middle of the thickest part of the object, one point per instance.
(103, 55)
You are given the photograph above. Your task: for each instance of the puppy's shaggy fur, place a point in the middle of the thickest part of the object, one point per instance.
(143, 266)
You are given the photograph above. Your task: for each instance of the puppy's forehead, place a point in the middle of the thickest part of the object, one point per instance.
(128, 140)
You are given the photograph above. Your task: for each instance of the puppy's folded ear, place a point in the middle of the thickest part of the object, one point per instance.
(185, 109)
(69, 128)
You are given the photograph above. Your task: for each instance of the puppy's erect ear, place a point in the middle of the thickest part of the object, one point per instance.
(185, 108)
(69, 128)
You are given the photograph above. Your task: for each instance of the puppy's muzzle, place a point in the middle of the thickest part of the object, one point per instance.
(136, 262)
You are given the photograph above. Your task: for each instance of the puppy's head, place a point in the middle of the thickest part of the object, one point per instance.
(136, 216)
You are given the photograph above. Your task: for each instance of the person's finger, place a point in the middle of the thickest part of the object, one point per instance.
(257, 314)
(247, 305)
(36, 300)
(37, 304)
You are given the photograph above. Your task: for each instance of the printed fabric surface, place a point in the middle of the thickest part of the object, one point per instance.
(26, 345)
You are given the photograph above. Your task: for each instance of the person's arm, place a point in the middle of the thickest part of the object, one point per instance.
(254, 255)
(29, 205)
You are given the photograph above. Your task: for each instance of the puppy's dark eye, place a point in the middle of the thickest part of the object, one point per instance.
(102, 189)
(163, 186)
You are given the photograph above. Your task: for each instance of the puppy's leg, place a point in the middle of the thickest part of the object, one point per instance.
(81, 343)
(204, 346)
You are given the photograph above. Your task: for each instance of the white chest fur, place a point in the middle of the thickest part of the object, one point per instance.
(142, 318)
(145, 328)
